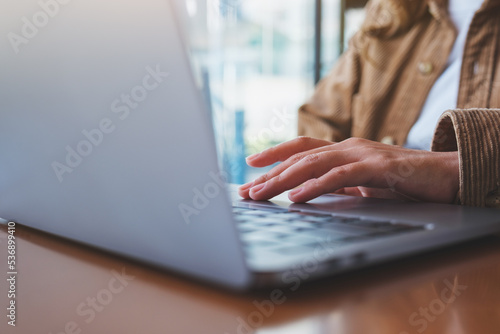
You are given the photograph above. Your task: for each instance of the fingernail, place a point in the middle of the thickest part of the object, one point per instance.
(253, 156)
(258, 188)
(296, 191)
(247, 186)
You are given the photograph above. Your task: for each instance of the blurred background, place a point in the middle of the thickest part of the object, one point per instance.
(258, 61)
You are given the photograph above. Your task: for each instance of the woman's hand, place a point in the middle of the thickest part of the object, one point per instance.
(355, 167)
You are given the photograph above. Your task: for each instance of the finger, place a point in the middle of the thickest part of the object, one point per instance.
(244, 190)
(378, 193)
(350, 191)
(310, 167)
(374, 193)
(285, 150)
(344, 176)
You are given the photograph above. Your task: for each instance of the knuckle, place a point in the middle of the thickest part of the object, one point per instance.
(355, 141)
(381, 157)
(303, 141)
(311, 159)
(343, 171)
(296, 158)
(370, 152)
(262, 179)
(277, 179)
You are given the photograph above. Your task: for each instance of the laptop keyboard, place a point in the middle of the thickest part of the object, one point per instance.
(289, 232)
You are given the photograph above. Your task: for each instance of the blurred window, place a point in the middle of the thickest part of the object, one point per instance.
(258, 59)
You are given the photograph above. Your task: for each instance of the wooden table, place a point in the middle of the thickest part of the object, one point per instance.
(62, 287)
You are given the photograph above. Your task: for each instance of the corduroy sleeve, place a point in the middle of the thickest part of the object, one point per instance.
(475, 133)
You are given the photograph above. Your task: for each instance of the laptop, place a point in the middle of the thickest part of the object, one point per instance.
(105, 139)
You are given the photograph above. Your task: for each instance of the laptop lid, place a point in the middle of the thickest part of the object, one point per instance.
(104, 137)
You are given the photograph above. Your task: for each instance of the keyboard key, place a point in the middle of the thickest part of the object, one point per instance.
(253, 213)
(261, 235)
(240, 210)
(303, 225)
(264, 221)
(283, 228)
(319, 219)
(301, 239)
(280, 216)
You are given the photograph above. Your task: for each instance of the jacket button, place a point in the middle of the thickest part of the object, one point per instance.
(388, 140)
(493, 200)
(425, 67)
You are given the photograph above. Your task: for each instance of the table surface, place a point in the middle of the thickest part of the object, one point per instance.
(63, 287)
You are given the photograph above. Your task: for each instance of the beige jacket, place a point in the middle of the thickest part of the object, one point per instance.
(378, 88)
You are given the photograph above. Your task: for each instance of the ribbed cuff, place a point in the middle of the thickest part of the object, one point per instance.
(475, 133)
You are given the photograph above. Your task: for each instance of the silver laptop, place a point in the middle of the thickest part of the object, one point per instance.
(105, 139)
